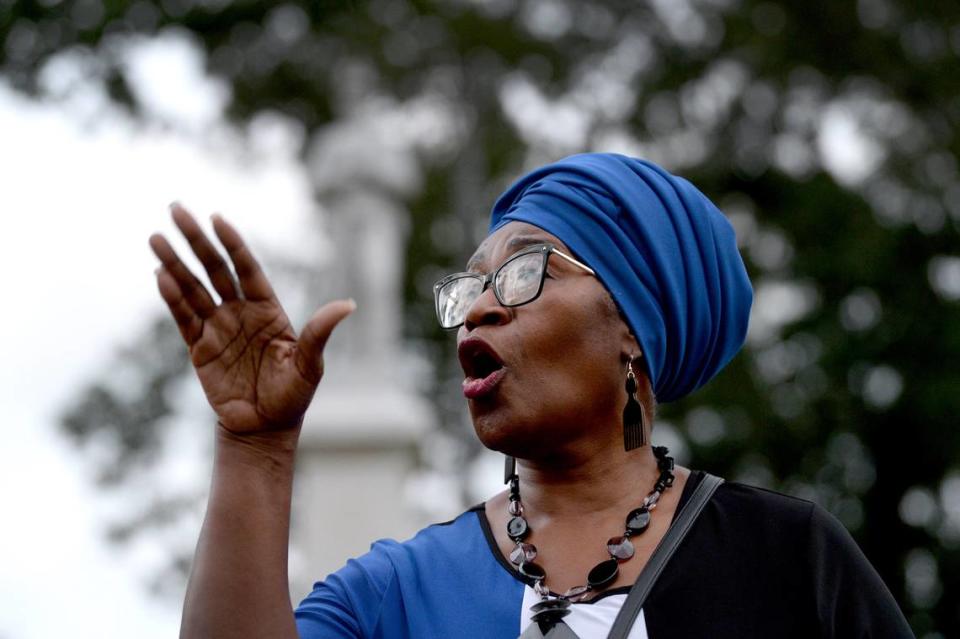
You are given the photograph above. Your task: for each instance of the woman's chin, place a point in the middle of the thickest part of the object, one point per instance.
(495, 430)
(503, 435)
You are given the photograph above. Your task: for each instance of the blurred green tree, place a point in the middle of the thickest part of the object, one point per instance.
(828, 132)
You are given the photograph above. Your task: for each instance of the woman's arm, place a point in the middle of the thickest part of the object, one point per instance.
(851, 598)
(238, 585)
(259, 376)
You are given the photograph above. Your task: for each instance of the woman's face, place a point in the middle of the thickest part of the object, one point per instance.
(549, 374)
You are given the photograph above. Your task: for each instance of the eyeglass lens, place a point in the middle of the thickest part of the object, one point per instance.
(519, 279)
(455, 298)
(517, 282)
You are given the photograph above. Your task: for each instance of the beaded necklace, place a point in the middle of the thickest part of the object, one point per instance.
(550, 609)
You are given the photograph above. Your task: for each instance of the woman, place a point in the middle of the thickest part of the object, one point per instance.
(605, 282)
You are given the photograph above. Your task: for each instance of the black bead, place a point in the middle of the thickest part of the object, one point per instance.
(603, 574)
(550, 604)
(517, 528)
(547, 613)
(631, 384)
(550, 611)
(638, 520)
(532, 570)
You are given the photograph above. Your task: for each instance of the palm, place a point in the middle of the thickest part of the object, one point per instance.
(243, 359)
(256, 372)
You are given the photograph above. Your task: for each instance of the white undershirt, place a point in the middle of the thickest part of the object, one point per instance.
(588, 620)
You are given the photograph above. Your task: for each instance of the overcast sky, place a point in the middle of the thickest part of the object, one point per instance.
(82, 189)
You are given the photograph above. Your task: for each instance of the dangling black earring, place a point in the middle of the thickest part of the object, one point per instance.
(634, 423)
(509, 468)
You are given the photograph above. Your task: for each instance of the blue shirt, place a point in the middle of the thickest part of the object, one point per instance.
(755, 564)
(445, 582)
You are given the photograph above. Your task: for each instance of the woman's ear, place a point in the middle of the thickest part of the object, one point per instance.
(630, 350)
(629, 346)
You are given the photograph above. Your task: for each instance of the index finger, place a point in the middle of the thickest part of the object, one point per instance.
(253, 282)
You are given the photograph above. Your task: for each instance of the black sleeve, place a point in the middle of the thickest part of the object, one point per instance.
(852, 601)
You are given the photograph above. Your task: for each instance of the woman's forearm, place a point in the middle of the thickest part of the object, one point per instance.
(238, 585)
(259, 376)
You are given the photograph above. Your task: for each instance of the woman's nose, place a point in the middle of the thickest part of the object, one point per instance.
(486, 309)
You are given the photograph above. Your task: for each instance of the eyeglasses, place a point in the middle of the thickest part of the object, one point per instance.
(518, 281)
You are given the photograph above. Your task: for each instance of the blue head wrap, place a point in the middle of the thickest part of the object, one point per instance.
(665, 253)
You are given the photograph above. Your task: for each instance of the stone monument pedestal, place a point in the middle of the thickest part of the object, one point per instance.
(361, 436)
(355, 454)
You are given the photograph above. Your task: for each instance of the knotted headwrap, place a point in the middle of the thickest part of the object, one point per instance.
(665, 253)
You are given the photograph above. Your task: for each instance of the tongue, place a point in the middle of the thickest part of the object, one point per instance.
(476, 387)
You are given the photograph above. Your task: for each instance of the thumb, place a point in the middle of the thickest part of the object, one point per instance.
(315, 334)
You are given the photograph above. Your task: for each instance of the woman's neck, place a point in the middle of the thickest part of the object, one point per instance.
(595, 482)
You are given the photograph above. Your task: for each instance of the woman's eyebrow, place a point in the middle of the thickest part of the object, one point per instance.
(521, 241)
(513, 245)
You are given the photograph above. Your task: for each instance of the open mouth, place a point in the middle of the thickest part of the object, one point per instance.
(483, 367)
(482, 364)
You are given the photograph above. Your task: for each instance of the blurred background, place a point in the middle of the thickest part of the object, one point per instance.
(359, 145)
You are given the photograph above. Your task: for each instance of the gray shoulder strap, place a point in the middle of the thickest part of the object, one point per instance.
(664, 551)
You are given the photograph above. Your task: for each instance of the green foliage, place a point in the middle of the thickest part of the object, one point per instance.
(125, 423)
(852, 399)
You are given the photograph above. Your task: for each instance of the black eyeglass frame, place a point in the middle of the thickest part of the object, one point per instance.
(486, 280)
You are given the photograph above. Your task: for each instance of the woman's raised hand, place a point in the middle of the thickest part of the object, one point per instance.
(256, 372)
